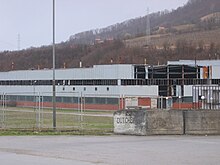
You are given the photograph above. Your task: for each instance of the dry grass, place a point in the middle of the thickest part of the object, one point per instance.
(206, 36)
(184, 27)
(210, 16)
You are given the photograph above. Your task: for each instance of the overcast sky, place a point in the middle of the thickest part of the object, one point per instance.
(32, 19)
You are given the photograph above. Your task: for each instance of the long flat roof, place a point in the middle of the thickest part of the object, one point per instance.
(115, 71)
(197, 62)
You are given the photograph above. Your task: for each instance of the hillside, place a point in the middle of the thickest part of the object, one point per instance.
(190, 32)
(191, 13)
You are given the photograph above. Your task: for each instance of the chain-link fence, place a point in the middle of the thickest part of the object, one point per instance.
(80, 111)
(18, 117)
(73, 111)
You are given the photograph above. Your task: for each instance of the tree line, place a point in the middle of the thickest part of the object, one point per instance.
(69, 55)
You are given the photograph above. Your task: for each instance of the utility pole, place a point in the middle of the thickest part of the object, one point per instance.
(54, 67)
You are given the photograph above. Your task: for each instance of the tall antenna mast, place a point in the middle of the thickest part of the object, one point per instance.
(19, 41)
(148, 38)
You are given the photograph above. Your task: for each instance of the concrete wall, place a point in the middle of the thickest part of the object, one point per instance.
(164, 122)
(172, 122)
(130, 122)
(143, 122)
(204, 122)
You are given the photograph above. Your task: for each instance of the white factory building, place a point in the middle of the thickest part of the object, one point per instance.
(117, 86)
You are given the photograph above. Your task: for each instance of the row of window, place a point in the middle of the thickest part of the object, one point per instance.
(96, 89)
(59, 82)
(165, 82)
(74, 100)
(111, 82)
(186, 99)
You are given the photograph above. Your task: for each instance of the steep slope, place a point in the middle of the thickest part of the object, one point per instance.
(188, 14)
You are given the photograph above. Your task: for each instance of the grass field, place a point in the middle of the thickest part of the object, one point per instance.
(32, 120)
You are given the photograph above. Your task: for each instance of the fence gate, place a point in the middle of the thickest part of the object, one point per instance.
(34, 110)
(97, 111)
(68, 112)
(19, 111)
(206, 97)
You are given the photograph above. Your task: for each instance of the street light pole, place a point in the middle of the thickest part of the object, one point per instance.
(54, 83)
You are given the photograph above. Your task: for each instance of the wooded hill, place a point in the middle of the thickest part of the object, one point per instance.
(69, 55)
(191, 13)
(180, 34)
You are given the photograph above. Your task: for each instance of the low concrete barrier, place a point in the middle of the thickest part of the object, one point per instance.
(164, 122)
(159, 122)
(143, 122)
(130, 122)
(203, 122)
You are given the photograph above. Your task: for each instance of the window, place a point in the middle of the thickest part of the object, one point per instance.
(113, 101)
(187, 99)
(21, 98)
(75, 100)
(11, 98)
(107, 88)
(59, 99)
(47, 99)
(30, 98)
(67, 100)
(100, 100)
(96, 88)
(89, 100)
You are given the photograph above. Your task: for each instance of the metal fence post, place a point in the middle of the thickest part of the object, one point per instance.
(39, 113)
(3, 112)
(2, 119)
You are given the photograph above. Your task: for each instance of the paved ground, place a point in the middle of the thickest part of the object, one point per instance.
(110, 150)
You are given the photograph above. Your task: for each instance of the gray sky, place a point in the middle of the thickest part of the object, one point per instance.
(32, 19)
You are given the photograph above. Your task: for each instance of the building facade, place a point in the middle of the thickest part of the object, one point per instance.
(117, 86)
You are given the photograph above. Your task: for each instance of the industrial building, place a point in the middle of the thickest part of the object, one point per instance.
(179, 84)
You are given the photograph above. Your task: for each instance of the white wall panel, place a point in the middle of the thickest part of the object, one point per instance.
(188, 90)
(216, 72)
(97, 72)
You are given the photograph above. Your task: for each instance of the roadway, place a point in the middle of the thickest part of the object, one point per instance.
(109, 150)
